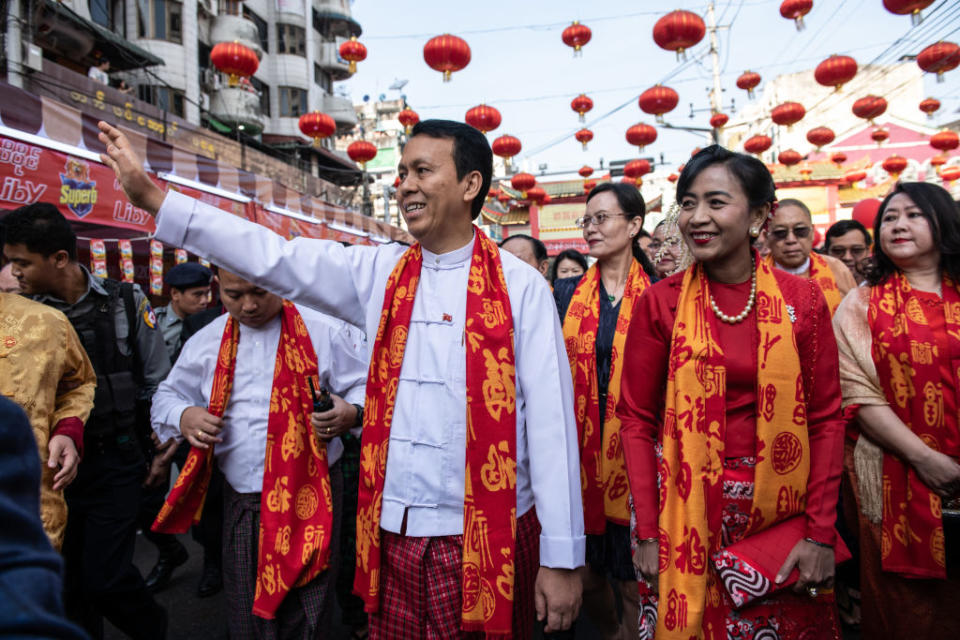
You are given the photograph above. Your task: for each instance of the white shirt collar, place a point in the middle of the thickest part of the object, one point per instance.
(451, 258)
(797, 271)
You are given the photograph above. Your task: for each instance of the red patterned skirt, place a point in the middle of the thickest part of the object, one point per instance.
(781, 616)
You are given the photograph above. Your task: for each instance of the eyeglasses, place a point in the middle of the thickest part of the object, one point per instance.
(799, 233)
(841, 252)
(585, 221)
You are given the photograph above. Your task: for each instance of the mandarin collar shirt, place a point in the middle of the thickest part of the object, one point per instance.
(241, 454)
(427, 449)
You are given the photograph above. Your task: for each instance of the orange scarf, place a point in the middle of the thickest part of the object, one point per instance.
(907, 357)
(490, 498)
(822, 275)
(693, 446)
(296, 505)
(603, 472)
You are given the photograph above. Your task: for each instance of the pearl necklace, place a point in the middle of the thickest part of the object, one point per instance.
(743, 314)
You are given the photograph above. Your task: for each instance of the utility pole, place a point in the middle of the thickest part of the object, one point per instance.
(716, 93)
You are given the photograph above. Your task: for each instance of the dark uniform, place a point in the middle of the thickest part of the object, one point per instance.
(100, 577)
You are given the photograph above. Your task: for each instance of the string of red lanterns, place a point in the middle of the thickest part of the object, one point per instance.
(408, 117)
(506, 147)
(820, 136)
(835, 71)
(235, 60)
(353, 51)
(939, 58)
(581, 104)
(446, 53)
(748, 81)
(583, 137)
(904, 7)
(678, 31)
(316, 125)
(718, 120)
(362, 152)
(640, 135)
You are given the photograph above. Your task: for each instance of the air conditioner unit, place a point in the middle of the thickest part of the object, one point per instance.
(210, 79)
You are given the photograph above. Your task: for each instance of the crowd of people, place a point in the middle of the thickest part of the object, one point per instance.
(712, 430)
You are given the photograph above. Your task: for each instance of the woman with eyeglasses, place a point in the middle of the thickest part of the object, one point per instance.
(595, 309)
(790, 239)
(731, 431)
(899, 342)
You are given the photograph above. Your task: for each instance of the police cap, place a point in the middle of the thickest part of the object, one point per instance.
(188, 275)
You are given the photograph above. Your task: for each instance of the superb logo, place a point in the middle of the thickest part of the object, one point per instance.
(77, 191)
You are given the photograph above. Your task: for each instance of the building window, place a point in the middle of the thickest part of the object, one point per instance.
(322, 79)
(102, 13)
(229, 7)
(264, 91)
(293, 102)
(261, 27)
(163, 98)
(291, 39)
(160, 20)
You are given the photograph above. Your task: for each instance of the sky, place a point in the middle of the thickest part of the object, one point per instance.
(521, 66)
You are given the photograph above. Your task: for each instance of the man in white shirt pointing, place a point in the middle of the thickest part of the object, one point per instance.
(443, 306)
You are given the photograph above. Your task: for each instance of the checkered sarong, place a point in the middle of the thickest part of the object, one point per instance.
(421, 582)
(304, 613)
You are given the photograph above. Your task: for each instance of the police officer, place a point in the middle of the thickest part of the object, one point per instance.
(118, 330)
(189, 293)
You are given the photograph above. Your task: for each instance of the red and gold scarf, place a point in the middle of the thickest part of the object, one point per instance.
(907, 357)
(822, 275)
(603, 473)
(693, 449)
(296, 505)
(490, 498)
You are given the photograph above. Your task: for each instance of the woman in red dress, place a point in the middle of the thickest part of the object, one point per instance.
(899, 342)
(731, 430)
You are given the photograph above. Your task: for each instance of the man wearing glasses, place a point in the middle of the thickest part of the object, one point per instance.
(790, 239)
(849, 242)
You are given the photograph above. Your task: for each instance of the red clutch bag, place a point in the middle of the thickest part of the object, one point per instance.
(748, 568)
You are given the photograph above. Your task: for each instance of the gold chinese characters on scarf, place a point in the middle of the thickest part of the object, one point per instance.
(296, 506)
(490, 498)
(603, 473)
(693, 449)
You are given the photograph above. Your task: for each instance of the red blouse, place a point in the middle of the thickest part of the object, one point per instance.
(645, 378)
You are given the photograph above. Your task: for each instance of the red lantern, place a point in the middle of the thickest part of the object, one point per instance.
(795, 10)
(679, 30)
(581, 104)
(640, 135)
(408, 117)
(446, 53)
(950, 174)
(353, 51)
(317, 125)
(879, 135)
(945, 140)
(939, 58)
(788, 114)
(235, 60)
(805, 171)
(483, 118)
(506, 147)
(835, 71)
(903, 7)
(522, 182)
(748, 81)
(362, 152)
(938, 161)
(504, 197)
(658, 100)
(757, 144)
(894, 165)
(585, 171)
(869, 107)
(396, 182)
(588, 185)
(673, 177)
(583, 137)
(838, 158)
(636, 169)
(789, 158)
(855, 176)
(820, 136)
(536, 194)
(576, 35)
(930, 106)
(717, 120)
(493, 193)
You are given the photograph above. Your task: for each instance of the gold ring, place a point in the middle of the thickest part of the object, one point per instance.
(812, 592)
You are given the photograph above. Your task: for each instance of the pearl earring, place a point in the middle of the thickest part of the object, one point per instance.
(754, 232)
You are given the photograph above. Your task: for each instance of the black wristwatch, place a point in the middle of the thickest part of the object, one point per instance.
(359, 422)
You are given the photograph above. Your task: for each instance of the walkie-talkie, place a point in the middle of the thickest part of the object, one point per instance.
(323, 401)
